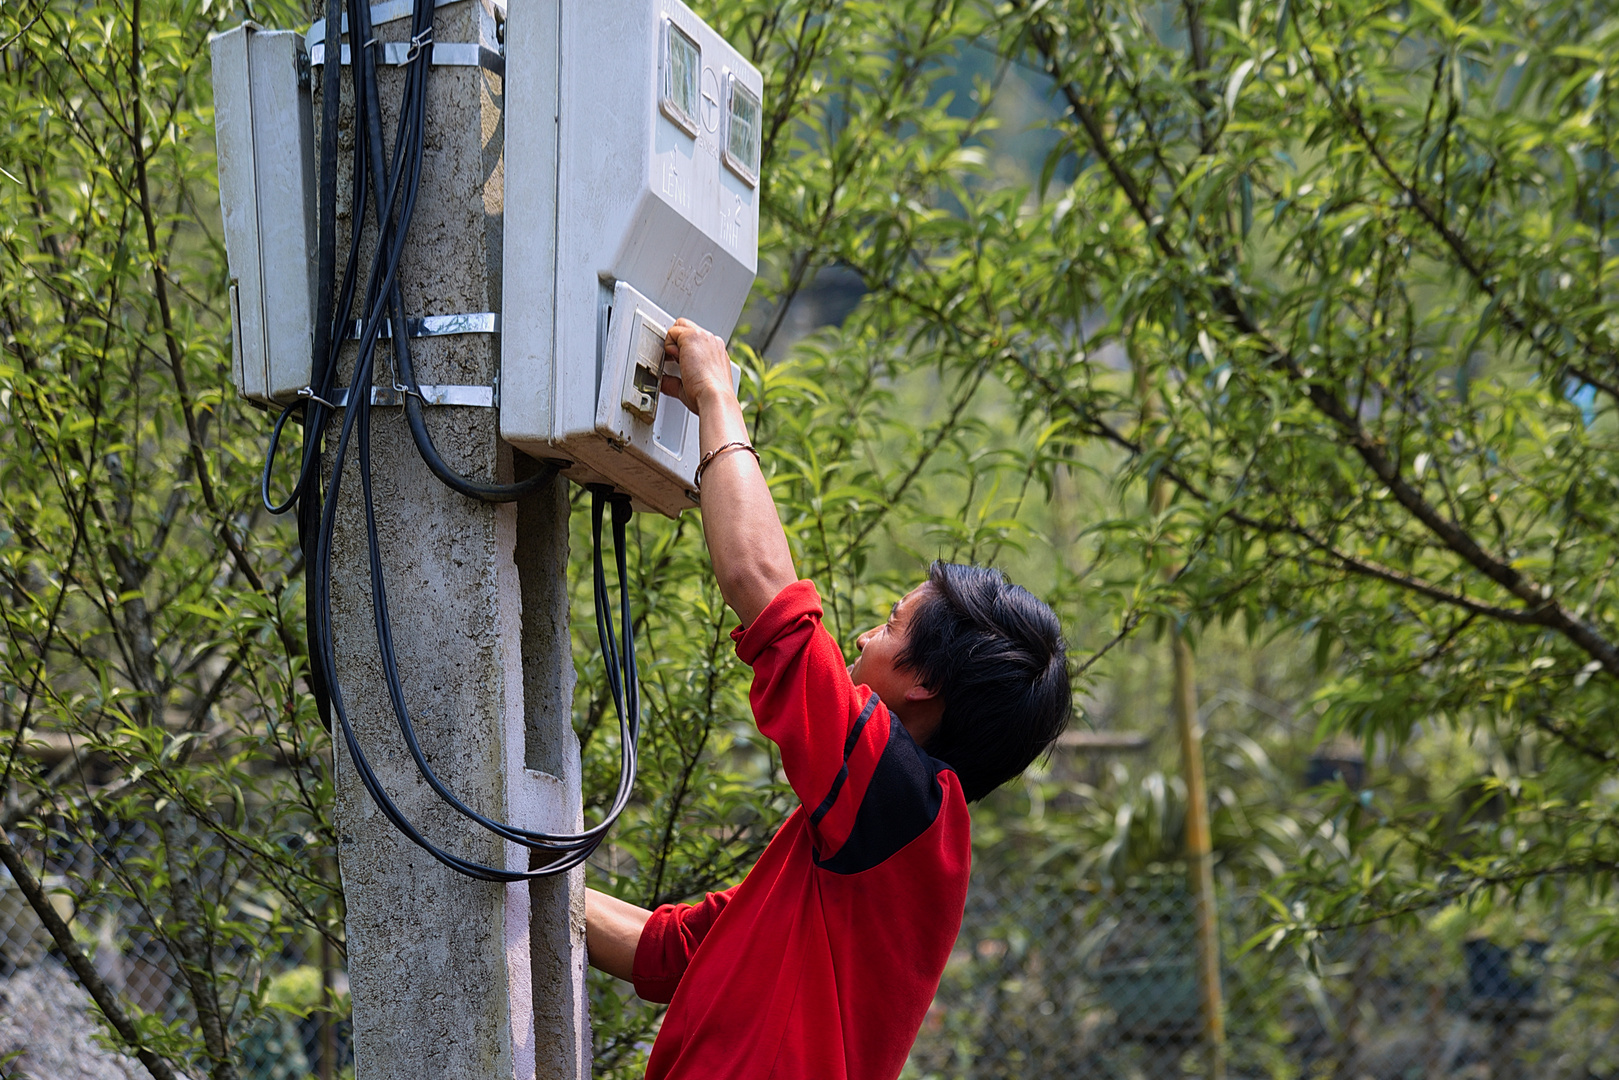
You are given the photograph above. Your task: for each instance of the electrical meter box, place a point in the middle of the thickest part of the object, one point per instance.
(633, 137)
(264, 130)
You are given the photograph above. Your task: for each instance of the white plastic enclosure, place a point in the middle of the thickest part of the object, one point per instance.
(639, 200)
(264, 129)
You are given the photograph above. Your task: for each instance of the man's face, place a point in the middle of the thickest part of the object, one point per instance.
(880, 647)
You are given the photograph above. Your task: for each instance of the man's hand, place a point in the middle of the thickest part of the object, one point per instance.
(705, 367)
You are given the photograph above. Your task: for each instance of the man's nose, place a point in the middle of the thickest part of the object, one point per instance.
(860, 642)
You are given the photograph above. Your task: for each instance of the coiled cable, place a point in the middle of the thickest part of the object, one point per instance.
(390, 184)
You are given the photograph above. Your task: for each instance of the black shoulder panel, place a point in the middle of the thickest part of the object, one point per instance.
(843, 773)
(901, 803)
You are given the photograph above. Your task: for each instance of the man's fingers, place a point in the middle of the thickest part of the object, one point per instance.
(684, 328)
(683, 334)
(700, 355)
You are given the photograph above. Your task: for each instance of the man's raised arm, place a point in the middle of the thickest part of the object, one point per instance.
(745, 540)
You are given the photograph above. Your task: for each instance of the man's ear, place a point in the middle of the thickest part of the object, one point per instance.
(918, 692)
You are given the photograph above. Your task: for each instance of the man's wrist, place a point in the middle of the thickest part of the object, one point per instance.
(721, 418)
(716, 396)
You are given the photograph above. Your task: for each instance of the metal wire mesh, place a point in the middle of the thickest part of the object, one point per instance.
(1048, 980)
(1052, 981)
(46, 1016)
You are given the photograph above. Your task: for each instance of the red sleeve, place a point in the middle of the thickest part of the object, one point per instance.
(669, 940)
(831, 732)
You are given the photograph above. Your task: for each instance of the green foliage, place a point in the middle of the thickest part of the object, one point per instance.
(150, 692)
(1334, 274)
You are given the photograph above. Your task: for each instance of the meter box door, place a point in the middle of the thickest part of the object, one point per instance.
(264, 129)
(648, 440)
(648, 178)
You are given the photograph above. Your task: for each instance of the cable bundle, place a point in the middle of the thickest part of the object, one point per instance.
(392, 190)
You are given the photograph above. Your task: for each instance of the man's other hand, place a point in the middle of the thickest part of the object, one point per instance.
(705, 367)
(612, 932)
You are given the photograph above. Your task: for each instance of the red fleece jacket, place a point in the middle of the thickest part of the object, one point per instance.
(821, 964)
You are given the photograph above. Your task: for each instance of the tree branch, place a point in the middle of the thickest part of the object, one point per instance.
(83, 969)
(1469, 260)
(171, 341)
(1548, 611)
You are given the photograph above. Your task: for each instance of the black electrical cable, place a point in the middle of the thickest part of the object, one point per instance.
(356, 420)
(391, 184)
(353, 417)
(328, 338)
(410, 177)
(326, 233)
(629, 716)
(412, 121)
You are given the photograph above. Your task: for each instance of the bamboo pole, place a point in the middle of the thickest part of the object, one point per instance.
(328, 1027)
(1199, 846)
(1200, 859)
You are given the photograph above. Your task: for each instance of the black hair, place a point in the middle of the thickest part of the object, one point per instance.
(995, 654)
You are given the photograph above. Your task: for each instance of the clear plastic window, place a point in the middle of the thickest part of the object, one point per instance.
(742, 130)
(682, 67)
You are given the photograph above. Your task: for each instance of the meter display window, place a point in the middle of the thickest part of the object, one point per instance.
(682, 67)
(742, 130)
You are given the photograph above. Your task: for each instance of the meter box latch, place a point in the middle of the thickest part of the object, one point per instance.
(265, 133)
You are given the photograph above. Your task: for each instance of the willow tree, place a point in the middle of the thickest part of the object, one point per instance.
(1360, 253)
(1357, 254)
(159, 759)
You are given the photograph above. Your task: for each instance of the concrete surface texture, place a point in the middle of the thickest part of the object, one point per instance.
(452, 977)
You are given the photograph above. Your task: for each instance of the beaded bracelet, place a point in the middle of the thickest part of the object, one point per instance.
(697, 481)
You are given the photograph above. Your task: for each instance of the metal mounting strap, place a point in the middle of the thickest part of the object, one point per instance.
(445, 54)
(480, 322)
(477, 397)
(388, 12)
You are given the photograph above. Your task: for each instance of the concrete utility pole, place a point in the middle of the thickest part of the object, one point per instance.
(453, 977)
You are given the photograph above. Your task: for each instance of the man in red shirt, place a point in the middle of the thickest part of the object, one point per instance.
(821, 964)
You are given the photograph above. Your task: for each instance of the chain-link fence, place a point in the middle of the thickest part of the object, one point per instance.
(1049, 980)
(45, 1016)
